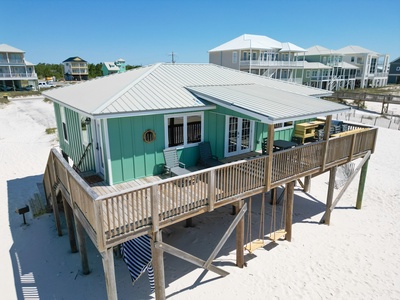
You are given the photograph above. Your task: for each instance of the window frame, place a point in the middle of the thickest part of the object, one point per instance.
(284, 125)
(64, 126)
(185, 131)
(234, 57)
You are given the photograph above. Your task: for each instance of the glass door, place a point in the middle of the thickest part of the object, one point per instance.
(238, 136)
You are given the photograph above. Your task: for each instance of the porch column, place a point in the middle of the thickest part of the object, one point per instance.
(240, 238)
(289, 210)
(158, 266)
(270, 143)
(361, 184)
(329, 198)
(326, 139)
(109, 273)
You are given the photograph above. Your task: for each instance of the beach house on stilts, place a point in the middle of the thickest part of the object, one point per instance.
(138, 152)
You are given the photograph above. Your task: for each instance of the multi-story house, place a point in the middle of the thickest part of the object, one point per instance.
(261, 55)
(75, 68)
(373, 67)
(346, 68)
(15, 72)
(394, 72)
(327, 69)
(109, 68)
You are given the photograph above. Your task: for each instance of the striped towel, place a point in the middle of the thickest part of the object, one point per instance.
(137, 255)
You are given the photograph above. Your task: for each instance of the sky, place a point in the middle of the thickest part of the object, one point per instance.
(147, 31)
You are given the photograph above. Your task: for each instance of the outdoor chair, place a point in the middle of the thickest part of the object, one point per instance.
(172, 164)
(207, 159)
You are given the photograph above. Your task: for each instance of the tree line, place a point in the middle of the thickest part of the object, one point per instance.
(44, 70)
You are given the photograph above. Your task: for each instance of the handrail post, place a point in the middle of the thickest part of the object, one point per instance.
(326, 144)
(154, 208)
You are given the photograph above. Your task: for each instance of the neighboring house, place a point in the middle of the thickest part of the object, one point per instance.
(346, 68)
(394, 72)
(373, 67)
(118, 126)
(75, 69)
(15, 72)
(118, 66)
(261, 55)
(327, 70)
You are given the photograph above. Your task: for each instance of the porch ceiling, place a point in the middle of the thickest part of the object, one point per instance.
(268, 105)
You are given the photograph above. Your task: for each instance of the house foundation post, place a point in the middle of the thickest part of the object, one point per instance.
(158, 266)
(240, 237)
(70, 225)
(80, 231)
(361, 184)
(109, 273)
(289, 210)
(329, 198)
(307, 183)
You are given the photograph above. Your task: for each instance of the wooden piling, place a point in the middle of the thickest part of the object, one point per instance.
(329, 197)
(70, 225)
(240, 238)
(109, 273)
(307, 183)
(158, 266)
(80, 231)
(289, 210)
(361, 185)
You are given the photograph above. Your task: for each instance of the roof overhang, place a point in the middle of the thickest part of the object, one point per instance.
(267, 105)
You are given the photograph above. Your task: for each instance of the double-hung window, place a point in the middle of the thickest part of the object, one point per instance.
(184, 130)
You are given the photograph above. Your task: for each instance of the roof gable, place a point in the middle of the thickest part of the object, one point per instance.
(247, 41)
(319, 50)
(354, 50)
(74, 59)
(8, 48)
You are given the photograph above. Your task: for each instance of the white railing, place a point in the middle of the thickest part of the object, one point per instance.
(277, 63)
(17, 75)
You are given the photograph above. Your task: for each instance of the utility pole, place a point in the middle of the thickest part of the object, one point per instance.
(172, 54)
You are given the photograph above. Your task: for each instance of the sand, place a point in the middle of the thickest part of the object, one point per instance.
(356, 257)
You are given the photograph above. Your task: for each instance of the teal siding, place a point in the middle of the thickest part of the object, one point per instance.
(130, 156)
(74, 148)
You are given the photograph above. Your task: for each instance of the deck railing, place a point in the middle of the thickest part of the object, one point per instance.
(113, 218)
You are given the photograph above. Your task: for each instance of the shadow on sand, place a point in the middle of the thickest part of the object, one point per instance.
(45, 268)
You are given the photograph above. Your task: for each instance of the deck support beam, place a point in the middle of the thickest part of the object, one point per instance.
(70, 225)
(240, 238)
(361, 185)
(289, 210)
(80, 231)
(158, 265)
(329, 198)
(109, 273)
(307, 183)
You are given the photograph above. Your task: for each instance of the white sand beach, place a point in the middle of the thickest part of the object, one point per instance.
(356, 257)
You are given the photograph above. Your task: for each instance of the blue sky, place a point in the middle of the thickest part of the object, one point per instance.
(147, 31)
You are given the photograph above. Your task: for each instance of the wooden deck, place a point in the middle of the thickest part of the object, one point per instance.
(114, 214)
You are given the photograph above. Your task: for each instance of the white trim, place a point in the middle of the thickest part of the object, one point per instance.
(184, 116)
(239, 137)
(107, 145)
(64, 122)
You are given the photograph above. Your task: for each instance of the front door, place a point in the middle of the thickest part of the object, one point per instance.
(238, 137)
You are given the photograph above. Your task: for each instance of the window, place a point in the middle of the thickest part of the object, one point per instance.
(234, 57)
(284, 125)
(244, 55)
(359, 60)
(184, 129)
(352, 59)
(314, 73)
(64, 123)
(308, 74)
(84, 130)
(254, 56)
